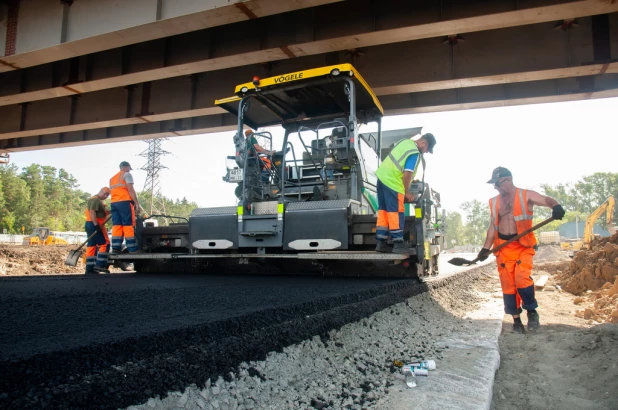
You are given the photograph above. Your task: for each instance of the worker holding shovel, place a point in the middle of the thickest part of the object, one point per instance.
(97, 247)
(511, 214)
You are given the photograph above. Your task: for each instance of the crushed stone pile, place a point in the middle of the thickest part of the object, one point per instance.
(19, 260)
(593, 276)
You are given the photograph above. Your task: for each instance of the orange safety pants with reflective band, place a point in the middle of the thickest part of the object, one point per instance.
(123, 220)
(391, 217)
(515, 267)
(97, 247)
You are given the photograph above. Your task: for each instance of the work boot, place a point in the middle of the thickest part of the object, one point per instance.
(101, 269)
(518, 327)
(90, 273)
(533, 320)
(383, 247)
(402, 248)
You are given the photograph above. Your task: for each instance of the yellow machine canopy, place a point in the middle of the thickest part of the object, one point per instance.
(318, 93)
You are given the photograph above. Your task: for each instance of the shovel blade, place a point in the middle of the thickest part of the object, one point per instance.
(460, 262)
(73, 258)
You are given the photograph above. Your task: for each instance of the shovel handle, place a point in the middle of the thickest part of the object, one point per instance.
(524, 233)
(93, 234)
(461, 261)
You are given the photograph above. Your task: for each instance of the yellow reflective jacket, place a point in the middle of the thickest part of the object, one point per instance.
(390, 171)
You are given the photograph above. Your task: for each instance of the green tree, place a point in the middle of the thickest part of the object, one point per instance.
(182, 208)
(32, 175)
(454, 229)
(581, 198)
(16, 195)
(477, 221)
(55, 196)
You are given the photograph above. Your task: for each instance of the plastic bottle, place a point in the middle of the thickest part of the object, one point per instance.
(416, 371)
(410, 379)
(425, 364)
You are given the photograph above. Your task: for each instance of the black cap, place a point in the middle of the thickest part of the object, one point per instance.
(498, 173)
(125, 164)
(431, 141)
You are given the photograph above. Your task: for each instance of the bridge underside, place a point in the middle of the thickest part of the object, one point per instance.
(419, 56)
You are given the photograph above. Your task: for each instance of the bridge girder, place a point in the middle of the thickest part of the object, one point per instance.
(416, 61)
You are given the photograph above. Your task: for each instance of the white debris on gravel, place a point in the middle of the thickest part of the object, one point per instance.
(349, 369)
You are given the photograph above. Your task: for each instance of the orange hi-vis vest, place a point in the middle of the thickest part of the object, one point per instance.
(523, 217)
(118, 188)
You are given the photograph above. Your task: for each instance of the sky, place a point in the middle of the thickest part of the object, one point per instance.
(541, 143)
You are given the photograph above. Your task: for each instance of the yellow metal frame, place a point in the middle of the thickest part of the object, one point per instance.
(289, 78)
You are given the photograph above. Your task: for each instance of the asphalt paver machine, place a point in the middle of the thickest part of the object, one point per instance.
(309, 205)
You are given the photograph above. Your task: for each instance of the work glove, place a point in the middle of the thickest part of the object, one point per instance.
(557, 212)
(483, 254)
(98, 229)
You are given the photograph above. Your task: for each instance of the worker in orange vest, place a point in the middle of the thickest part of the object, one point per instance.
(97, 247)
(511, 214)
(124, 206)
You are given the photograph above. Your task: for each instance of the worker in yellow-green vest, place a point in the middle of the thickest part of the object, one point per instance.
(394, 177)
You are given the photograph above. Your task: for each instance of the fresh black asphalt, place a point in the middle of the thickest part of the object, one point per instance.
(112, 341)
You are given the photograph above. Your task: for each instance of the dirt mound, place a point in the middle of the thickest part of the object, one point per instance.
(600, 306)
(593, 275)
(17, 260)
(591, 269)
(550, 253)
(553, 268)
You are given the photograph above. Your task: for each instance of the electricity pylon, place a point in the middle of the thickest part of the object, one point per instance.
(153, 169)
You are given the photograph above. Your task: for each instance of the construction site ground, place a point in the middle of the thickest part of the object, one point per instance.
(126, 340)
(20, 260)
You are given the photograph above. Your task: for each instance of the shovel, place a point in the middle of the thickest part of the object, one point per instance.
(462, 261)
(73, 256)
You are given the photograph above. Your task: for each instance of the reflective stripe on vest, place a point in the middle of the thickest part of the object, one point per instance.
(522, 216)
(522, 204)
(401, 161)
(118, 188)
(391, 170)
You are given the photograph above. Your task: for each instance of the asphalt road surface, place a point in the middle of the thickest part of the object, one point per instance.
(63, 338)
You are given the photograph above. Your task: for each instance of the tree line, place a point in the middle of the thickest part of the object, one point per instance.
(43, 196)
(579, 199)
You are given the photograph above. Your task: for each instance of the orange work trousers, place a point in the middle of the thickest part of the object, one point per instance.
(123, 228)
(515, 267)
(391, 217)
